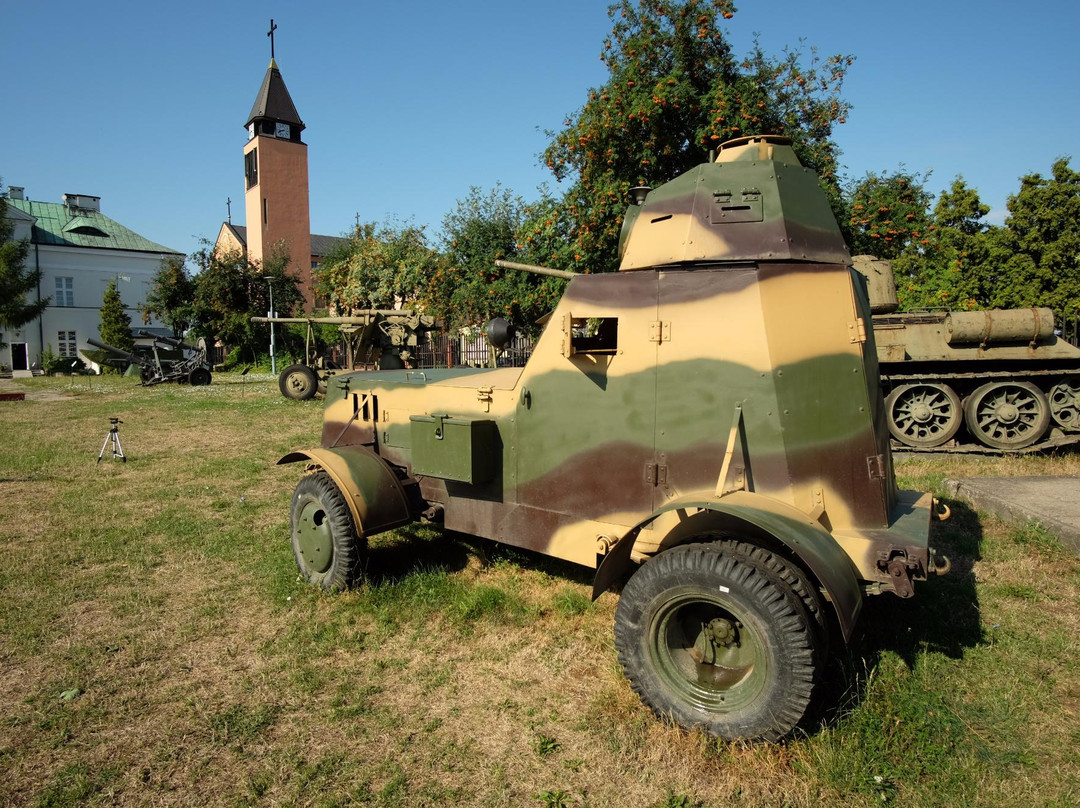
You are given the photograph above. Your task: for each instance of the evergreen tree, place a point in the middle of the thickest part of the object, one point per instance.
(16, 281)
(115, 328)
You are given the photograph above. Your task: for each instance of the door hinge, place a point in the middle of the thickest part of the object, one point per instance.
(876, 465)
(484, 394)
(655, 474)
(660, 331)
(857, 331)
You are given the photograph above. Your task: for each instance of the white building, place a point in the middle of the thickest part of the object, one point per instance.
(78, 250)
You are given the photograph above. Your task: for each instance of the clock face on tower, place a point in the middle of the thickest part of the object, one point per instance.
(283, 131)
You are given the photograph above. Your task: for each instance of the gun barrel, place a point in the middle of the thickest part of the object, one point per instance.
(363, 318)
(554, 273)
(176, 343)
(138, 360)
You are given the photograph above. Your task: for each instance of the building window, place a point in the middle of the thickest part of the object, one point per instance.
(65, 292)
(67, 343)
(251, 168)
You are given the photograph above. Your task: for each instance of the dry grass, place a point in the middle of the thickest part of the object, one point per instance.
(156, 647)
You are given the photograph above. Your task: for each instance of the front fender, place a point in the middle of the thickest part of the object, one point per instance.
(373, 491)
(744, 512)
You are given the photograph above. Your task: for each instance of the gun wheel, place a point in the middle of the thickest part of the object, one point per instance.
(326, 544)
(298, 382)
(713, 639)
(199, 376)
(923, 415)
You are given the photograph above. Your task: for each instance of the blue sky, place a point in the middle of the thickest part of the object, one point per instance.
(408, 105)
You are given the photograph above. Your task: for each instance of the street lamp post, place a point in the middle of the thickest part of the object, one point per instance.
(273, 361)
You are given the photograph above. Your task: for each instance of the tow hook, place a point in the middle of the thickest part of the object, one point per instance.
(941, 511)
(939, 563)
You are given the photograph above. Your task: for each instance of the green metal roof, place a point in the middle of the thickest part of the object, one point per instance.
(59, 225)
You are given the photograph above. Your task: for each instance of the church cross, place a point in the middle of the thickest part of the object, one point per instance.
(270, 34)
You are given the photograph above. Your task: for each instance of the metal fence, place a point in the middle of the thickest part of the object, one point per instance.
(459, 350)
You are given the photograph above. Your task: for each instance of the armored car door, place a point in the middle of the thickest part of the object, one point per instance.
(585, 423)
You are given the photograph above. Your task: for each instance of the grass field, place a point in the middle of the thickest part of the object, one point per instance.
(157, 648)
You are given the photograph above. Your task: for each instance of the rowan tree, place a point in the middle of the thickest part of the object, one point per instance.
(675, 90)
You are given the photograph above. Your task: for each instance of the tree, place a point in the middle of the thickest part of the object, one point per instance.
(1037, 253)
(230, 289)
(675, 90)
(115, 328)
(381, 266)
(888, 213)
(171, 296)
(16, 281)
(467, 288)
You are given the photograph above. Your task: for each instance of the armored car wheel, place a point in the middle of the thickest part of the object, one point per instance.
(924, 414)
(298, 382)
(198, 376)
(712, 638)
(1007, 415)
(328, 549)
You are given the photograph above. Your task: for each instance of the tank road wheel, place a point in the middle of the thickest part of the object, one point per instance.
(1065, 404)
(1007, 415)
(198, 376)
(325, 541)
(298, 382)
(923, 414)
(714, 639)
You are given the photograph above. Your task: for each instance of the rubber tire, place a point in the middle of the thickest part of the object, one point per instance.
(347, 547)
(198, 377)
(945, 434)
(1035, 431)
(298, 382)
(763, 602)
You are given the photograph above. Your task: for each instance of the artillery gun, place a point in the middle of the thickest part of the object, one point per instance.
(972, 381)
(386, 338)
(705, 424)
(192, 368)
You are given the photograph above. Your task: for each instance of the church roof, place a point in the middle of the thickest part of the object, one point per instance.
(60, 225)
(273, 100)
(320, 245)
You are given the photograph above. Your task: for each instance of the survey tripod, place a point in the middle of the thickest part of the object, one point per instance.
(114, 438)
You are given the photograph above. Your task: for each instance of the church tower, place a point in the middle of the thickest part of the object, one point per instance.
(276, 178)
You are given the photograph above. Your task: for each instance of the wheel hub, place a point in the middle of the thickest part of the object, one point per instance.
(314, 538)
(921, 413)
(1007, 413)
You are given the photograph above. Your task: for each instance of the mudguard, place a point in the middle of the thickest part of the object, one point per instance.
(375, 495)
(743, 512)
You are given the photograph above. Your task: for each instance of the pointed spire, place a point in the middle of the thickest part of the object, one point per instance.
(273, 101)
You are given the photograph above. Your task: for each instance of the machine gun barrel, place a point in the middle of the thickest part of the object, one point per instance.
(135, 358)
(554, 273)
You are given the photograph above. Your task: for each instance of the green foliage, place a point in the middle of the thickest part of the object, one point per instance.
(115, 326)
(381, 266)
(888, 213)
(467, 289)
(1038, 252)
(230, 289)
(52, 363)
(952, 259)
(171, 296)
(16, 281)
(675, 90)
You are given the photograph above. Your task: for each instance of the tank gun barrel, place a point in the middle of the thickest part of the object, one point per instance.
(554, 273)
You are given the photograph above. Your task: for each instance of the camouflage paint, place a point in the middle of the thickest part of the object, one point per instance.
(731, 377)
